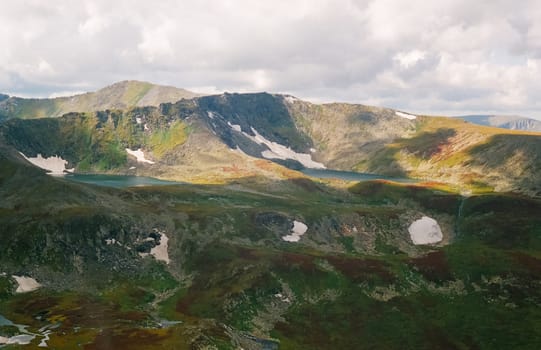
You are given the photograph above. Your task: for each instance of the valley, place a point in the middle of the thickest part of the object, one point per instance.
(257, 221)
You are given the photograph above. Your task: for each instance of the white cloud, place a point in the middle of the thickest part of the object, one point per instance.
(417, 55)
(410, 58)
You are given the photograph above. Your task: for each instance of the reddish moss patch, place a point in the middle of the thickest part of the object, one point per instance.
(433, 266)
(127, 339)
(359, 270)
(531, 264)
(305, 263)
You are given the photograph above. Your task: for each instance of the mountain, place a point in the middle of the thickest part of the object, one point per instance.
(223, 136)
(505, 122)
(248, 252)
(209, 266)
(122, 95)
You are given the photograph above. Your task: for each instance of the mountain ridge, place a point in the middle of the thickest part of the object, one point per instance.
(121, 95)
(187, 138)
(248, 253)
(511, 122)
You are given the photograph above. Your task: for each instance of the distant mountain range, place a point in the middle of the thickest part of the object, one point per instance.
(511, 122)
(220, 137)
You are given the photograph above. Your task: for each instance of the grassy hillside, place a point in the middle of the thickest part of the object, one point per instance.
(207, 138)
(354, 280)
(122, 95)
(474, 157)
(175, 137)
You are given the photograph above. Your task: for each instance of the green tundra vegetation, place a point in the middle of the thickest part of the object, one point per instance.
(227, 278)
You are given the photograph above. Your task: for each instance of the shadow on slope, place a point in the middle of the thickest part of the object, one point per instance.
(423, 146)
(513, 159)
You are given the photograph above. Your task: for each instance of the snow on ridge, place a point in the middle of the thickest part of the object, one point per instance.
(139, 155)
(298, 229)
(234, 127)
(55, 165)
(26, 284)
(405, 115)
(425, 231)
(278, 151)
(290, 99)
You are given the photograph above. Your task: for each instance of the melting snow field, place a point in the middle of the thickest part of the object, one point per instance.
(297, 231)
(26, 284)
(425, 231)
(278, 151)
(406, 115)
(56, 165)
(234, 127)
(139, 155)
(160, 251)
(25, 337)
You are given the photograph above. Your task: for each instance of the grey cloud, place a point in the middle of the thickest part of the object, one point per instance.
(476, 55)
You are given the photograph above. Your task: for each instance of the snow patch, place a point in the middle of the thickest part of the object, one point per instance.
(278, 151)
(405, 115)
(43, 343)
(21, 339)
(160, 251)
(55, 165)
(234, 127)
(139, 120)
(210, 114)
(299, 229)
(290, 99)
(425, 231)
(26, 284)
(139, 155)
(145, 127)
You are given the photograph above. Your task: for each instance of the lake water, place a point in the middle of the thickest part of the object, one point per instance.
(351, 175)
(118, 181)
(122, 181)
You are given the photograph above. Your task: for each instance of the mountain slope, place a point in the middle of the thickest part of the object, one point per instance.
(377, 140)
(215, 265)
(223, 136)
(175, 141)
(121, 95)
(231, 280)
(505, 122)
(466, 155)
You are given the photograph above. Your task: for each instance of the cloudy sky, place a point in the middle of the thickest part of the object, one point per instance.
(435, 57)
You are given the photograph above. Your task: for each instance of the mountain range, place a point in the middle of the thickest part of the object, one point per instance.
(243, 248)
(505, 121)
(196, 139)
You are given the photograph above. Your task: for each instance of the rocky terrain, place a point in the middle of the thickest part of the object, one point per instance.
(248, 252)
